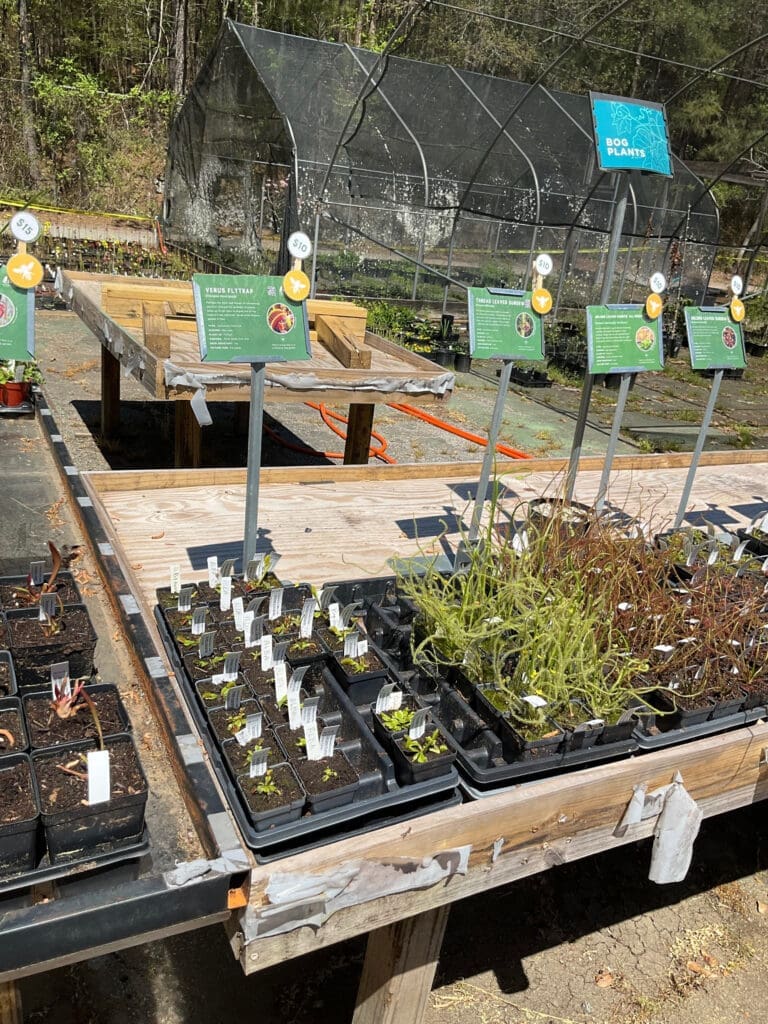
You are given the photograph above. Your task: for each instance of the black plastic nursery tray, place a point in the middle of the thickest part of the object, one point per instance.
(379, 802)
(69, 866)
(670, 737)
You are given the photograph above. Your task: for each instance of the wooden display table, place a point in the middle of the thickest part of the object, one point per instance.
(148, 327)
(396, 884)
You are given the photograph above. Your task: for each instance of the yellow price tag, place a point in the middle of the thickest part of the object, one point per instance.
(296, 285)
(541, 301)
(654, 305)
(738, 312)
(24, 271)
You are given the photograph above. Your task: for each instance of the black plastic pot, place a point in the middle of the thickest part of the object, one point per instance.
(678, 716)
(65, 584)
(264, 820)
(79, 830)
(33, 661)
(407, 771)
(14, 704)
(6, 659)
(362, 687)
(443, 357)
(19, 839)
(44, 695)
(463, 362)
(317, 803)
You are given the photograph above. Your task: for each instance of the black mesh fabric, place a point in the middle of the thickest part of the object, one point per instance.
(421, 163)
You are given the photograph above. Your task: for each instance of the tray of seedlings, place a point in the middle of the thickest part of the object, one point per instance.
(274, 677)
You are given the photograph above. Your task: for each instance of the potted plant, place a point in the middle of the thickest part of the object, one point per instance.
(80, 714)
(65, 635)
(19, 815)
(13, 734)
(275, 798)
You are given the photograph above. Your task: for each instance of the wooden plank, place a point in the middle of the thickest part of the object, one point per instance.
(343, 341)
(359, 426)
(10, 1003)
(405, 355)
(110, 394)
(317, 307)
(187, 437)
(162, 479)
(513, 835)
(157, 336)
(399, 968)
(119, 296)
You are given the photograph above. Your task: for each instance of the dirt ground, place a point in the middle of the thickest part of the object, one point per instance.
(593, 942)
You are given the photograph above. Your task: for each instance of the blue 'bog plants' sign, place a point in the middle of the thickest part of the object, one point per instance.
(630, 135)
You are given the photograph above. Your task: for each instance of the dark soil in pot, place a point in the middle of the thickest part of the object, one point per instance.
(46, 729)
(225, 724)
(6, 685)
(13, 735)
(239, 757)
(329, 782)
(17, 798)
(272, 808)
(60, 790)
(19, 815)
(34, 649)
(213, 694)
(16, 593)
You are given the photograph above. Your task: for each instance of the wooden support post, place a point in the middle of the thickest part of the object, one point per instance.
(188, 437)
(359, 429)
(110, 393)
(10, 1003)
(399, 968)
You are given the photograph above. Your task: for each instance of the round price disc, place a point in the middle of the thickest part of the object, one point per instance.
(658, 282)
(299, 245)
(653, 305)
(543, 264)
(541, 301)
(24, 226)
(737, 285)
(24, 270)
(737, 309)
(296, 285)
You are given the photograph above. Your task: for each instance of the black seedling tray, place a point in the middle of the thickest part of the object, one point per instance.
(69, 867)
(379, 798)
(725, 723)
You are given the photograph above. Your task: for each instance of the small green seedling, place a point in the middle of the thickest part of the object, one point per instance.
(421, 749)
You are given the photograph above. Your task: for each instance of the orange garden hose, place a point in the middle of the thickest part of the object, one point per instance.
(380, 452)
(502, 449)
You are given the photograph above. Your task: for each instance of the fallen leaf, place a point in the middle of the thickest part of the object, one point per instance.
(710, 961)
(696, 968)
(157, 536)
(603, 979)
(762, 908)
(138, 565)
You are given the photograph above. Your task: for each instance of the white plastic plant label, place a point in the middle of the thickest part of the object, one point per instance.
(350, 645)
(334, 615)
(258, 765)
(362, 647)
(48, 606)
(307, 618)
(254, 631)
(281, 681)
(312, 740)
(294, 710)
(275, 603)
(389, 698)
(326, 596)
(279, 651)
(309, 710)
(205, 645)
(267, 660)
(535, 700)
(253, 725)
(99, 784)
(349, 612)
(255, 604)
(213, 571)
(234, 698)
(227, 568)
(198, 621)
(328, 740)
(184, 601)
(175, 575)
(418, 724)
(238, 610)
(60, 679)
(37, 573)
(231, 666)
(225, 594)
(253, 567)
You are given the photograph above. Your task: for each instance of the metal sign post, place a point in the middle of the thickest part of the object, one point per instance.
(255, 426)
(586, 392)
(490, 451)
(700, 441)
(613, 440)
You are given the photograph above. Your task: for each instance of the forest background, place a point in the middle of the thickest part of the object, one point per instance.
(88, 90)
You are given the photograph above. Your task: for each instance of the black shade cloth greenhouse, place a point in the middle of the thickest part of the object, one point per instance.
(396, 162)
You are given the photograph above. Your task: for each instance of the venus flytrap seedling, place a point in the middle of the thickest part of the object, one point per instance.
(397, 721)
(420, 750)
(267, 786)
(329, 774)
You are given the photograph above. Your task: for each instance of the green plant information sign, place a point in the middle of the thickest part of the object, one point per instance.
(715, 341)
(17, 320)
(243, 318)
(502, 325)
(622, 339)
